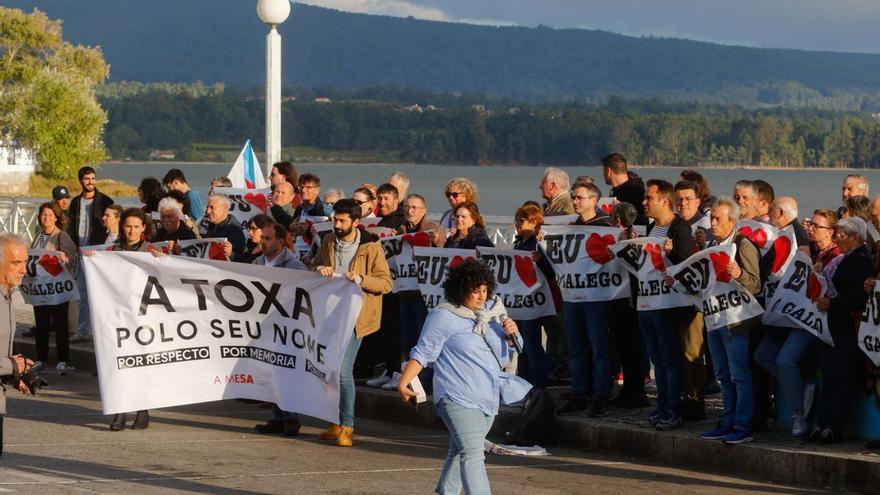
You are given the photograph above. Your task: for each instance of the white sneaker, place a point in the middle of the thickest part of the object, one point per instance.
(395, 381)
(63, 369)
(378, 381)
(798, 426)
(809, 396)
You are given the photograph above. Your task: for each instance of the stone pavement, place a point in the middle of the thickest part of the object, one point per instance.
(774, 457)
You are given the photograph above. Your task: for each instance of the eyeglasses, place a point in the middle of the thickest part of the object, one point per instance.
(308, 186)
(411, 207)
(253, 228)
(686, 200)
(454, 194)
(581, 198)
(814, 225)
(359, 202)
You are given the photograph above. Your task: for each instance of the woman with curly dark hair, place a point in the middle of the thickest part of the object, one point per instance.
(467, 378)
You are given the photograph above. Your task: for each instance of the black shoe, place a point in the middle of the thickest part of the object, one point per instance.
(598, 409)
(872, 445)
(630, 402)
(829, 436)
(270, 427)
(572, 406)
(291, 427)
(815, 436)
(118, 423)
(141, 421)
(693, 410)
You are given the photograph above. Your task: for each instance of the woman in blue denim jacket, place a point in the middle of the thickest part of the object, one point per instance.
(467, 340)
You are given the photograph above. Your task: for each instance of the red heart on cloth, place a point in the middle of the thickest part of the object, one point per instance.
(216, 251)
(757, 236)
(782, 250)
(454, 262)
(51, 264)
(419, 239)
(656, 253)
(814, 287)
(597, 247)
(720, 261)
(525, 268)
(607, 208)
(259, 200)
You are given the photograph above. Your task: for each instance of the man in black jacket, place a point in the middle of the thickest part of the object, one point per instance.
(86, 211)
(224, 225)
(623, 188)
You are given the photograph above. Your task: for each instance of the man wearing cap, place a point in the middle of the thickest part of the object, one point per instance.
(61, 197)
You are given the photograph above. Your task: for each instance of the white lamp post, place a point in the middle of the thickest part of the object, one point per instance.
(272, 13)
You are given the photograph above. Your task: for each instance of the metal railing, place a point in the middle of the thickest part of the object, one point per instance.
(19, 216)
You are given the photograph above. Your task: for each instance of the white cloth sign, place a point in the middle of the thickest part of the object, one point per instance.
(245, 204)
(606, 204)
(177, 330)
(211, 248)
(47, 281)
(869, 329)
(432, 267)
(96, 247)
(644, 258)
(399, 254)
(724, 301)
(560, 219)
(585, 268)
(520, 284)
(308, 242)
(780, 245)
(794, 301)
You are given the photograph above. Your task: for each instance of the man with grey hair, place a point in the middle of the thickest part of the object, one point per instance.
(854, 185)
(171, 228)
(13, 260)
(554, 189)
(331, 196)
(401, 181)
(783, 215)
(746, 198)
(224, 225)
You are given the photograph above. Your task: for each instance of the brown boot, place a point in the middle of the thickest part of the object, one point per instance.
(331, 433)
(346, 437)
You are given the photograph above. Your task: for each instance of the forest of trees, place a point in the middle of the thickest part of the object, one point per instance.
(459, 130)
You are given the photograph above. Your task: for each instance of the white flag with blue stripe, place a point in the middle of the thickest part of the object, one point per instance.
(245, 172)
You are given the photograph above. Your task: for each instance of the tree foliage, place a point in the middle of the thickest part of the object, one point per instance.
(47, 98)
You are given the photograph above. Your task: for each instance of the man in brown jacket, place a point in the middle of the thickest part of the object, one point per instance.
(554, 189)
(358, 256)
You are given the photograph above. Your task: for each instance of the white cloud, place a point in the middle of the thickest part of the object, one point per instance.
(402, 8)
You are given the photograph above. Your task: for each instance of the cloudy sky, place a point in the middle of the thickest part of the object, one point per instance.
(836, 25)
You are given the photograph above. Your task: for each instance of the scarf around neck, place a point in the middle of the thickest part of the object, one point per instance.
(480, 318)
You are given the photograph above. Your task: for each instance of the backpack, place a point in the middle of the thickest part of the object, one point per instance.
(534, 425)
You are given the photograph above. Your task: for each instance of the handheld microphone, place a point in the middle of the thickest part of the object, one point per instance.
(512, 338)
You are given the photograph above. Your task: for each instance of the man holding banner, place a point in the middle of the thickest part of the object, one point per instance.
(224, 225)
(356, 255)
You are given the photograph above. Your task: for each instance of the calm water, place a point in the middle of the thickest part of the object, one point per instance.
(503, 189)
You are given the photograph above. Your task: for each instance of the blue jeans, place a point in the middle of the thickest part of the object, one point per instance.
(730, 357)
(413, 314)
(464, 466)
(781, 356)
(660, 330)
(586, 326)
(346, 383)
(532, 365)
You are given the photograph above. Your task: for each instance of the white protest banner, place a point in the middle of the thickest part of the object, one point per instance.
(303, 244)
(399, 254)
(773, 244)
(211, 248)
(431, 270)
(724, 301)
(794, 300)
(96, 247)
(606, 204)
(245, 204)
(585, 268)
(370, 222)
(644, 258)
(164, 247)
(177, 330)
(869, 329)
(47, 281)
(520, 284)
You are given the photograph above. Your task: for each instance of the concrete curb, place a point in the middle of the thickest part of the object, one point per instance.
(756, 461)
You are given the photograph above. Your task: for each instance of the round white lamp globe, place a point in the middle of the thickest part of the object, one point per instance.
(273, 11)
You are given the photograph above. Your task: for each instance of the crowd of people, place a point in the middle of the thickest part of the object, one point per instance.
(586, 345)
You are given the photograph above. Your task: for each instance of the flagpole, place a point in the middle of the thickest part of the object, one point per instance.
(273, 13)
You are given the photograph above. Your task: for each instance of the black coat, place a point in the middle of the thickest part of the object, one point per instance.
(849, 279)
(97, 231)
(475, 237)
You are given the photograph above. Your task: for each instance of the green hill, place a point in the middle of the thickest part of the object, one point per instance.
(223, 41)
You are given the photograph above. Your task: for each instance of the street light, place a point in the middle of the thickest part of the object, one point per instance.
(272, 13)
